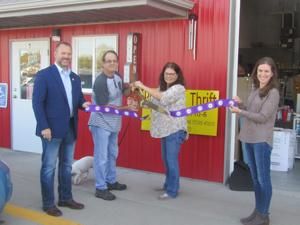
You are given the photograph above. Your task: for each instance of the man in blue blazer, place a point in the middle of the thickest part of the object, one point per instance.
(57, 95)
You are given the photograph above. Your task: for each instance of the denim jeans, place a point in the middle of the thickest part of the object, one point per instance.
(105, 156)
(244, 154)
(63, 149)
(170, 147)
(258, 158)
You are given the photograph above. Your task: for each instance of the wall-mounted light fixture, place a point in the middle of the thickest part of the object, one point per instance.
(193, 33)
(55, 34)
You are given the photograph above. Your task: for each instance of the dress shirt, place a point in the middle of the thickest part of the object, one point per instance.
(65, 77)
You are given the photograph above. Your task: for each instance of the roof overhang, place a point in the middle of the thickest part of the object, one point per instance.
(30, 13)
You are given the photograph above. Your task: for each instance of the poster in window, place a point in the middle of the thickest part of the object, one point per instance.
(30, 64)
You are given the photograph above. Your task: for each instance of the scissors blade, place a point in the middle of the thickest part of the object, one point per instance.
(153, 106)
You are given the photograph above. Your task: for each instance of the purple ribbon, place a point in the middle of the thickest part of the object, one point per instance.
(203, 107)
(178, 113)
(112, 110)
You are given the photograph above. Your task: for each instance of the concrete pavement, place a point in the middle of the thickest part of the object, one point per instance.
(199, 202)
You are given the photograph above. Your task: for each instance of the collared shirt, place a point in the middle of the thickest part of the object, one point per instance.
(65, 77)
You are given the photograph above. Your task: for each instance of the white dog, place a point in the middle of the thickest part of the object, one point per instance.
(80, 169)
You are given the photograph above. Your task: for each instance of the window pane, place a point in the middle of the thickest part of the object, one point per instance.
(30, 64)
(85, 61)
(103, 44)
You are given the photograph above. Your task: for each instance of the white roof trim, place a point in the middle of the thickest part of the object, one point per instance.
(38, 7)
(175, 6)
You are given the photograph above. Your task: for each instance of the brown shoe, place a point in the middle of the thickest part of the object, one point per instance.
(53, 211)
(259, 219)
(71, 204)
(249, 218)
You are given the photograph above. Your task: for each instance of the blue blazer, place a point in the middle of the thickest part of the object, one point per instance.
(50, 103)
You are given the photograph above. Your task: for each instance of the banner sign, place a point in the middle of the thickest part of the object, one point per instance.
(202, 123)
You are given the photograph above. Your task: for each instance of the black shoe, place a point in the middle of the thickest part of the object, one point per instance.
(105, 194)
(53, 211)
(71, 204)
(116, 186)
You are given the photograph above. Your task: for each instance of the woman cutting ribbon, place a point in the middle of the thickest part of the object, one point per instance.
(172, 131)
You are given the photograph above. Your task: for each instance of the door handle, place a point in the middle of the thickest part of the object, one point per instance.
(15, 96)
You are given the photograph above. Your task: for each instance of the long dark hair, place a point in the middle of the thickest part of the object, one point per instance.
(180, 79)
(273, 82)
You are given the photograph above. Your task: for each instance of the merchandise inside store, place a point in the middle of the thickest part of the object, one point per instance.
(272, 28)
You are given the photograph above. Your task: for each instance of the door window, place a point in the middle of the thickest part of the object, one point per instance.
(30, 64)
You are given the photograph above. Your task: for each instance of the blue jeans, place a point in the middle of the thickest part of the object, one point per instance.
(245, 155)
(105, 156)
(170, 147)
(63, 149)
(258, 158)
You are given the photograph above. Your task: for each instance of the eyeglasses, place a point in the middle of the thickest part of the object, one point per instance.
(170, 74)
(111, 61)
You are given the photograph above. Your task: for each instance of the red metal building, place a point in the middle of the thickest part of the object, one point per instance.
(163, 26)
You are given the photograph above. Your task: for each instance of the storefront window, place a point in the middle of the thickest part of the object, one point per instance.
(87, 57)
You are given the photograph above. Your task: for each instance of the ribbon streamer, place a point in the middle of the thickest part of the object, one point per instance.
(112, 110)
(203, 107)
(178, 113)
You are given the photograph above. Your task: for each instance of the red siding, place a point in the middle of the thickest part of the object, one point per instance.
(202, 157)
(4, 78)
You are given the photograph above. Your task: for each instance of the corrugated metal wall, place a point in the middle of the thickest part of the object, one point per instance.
(202, 157)
(4, 78)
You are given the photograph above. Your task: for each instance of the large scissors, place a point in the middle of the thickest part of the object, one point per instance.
(144, 103)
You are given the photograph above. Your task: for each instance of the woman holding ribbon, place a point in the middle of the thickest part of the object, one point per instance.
(172, 131)
(257, 133)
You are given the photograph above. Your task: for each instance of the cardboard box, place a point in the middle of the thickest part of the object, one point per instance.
(283, 152)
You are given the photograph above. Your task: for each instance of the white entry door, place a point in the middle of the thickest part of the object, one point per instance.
(27, 58)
